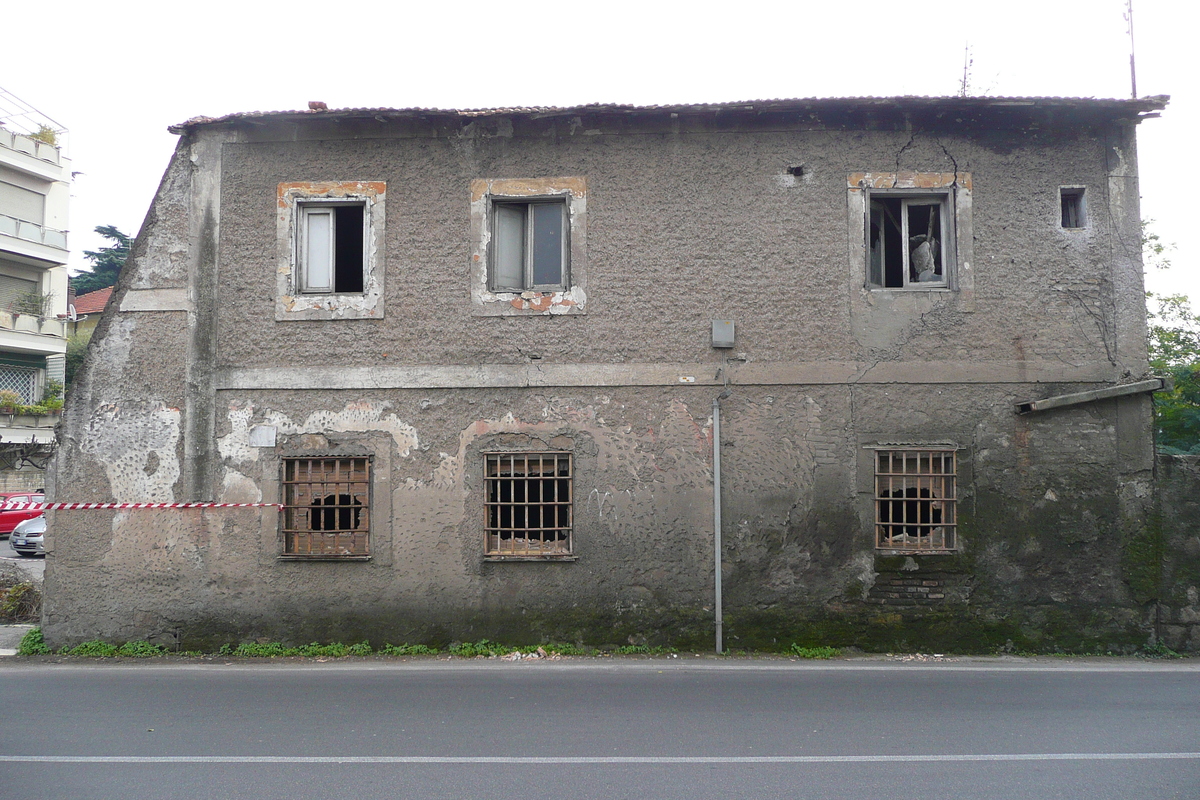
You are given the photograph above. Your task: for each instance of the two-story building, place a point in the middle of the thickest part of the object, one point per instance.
(526, 374)
(35, 176)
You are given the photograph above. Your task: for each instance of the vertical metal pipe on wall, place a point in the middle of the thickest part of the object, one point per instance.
(717, 514)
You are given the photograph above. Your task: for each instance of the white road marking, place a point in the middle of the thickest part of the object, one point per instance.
(532, 760)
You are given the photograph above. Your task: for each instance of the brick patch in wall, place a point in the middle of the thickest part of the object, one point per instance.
(910, 589)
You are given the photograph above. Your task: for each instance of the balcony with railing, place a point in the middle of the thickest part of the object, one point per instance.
(32, 232)
(18, 322)
(34, 148)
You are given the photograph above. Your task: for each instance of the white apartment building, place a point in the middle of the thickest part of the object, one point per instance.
(35, 175)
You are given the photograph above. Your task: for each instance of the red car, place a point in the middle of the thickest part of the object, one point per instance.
(9, 517)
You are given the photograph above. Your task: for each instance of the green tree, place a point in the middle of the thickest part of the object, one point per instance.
(106, 262)
(1174, 344)
(77, 346)
(1175, 352)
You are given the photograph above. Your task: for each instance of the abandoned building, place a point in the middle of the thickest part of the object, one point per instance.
(480, 360)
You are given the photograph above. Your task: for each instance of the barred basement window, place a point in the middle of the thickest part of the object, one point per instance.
(528, 505)
(327, 510)
(915, 500)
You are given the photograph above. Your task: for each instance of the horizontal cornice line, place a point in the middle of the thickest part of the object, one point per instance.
(655, 374)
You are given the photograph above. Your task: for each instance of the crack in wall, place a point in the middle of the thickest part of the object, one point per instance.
(912, 136)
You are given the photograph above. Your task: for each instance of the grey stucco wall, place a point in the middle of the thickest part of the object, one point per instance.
(685, 224)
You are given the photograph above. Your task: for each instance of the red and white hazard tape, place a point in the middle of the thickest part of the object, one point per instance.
(129, 506)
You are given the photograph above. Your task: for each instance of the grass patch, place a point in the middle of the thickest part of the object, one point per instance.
(93, 649)
(279, 650)
(644, 650)
(813, 652)
(483, 647)
(407, 650)
(141, 649)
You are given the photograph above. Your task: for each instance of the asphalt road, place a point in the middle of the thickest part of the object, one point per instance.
(601, 729)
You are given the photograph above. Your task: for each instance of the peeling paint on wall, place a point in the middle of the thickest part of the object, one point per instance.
(361, 416)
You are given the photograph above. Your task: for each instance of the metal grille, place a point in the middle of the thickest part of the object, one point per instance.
(915, 500)
(529, 511)
(21, 380)
(328, 506)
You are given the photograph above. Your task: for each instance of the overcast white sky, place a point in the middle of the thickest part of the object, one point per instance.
(117, 73)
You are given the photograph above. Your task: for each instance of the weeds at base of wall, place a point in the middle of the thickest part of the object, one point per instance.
(1037, 630)
(814, 652)
(34, 645)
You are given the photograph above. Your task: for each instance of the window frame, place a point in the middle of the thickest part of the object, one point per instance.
(528, 244)
(914, 197)
(292, 535)
(307, 209)
(945, 528)
(494, 505)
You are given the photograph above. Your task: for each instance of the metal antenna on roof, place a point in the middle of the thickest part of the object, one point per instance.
(1132, 70)
(964, 88)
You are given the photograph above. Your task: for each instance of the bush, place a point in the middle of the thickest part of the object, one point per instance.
(21, 602)
(32, 644)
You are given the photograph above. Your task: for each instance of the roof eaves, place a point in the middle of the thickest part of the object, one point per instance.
(1142, 107)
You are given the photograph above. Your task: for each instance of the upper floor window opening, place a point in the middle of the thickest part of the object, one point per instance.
(1072, 207)
(332, 246)
(909, 241)
(530, 245)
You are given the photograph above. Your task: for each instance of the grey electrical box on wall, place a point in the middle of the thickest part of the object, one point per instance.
(722, 333)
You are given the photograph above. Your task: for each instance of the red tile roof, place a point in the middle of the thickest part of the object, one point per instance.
(93, 302)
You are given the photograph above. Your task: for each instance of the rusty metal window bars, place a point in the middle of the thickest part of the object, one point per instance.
(328, 507)
(528, 505)
(915, 500)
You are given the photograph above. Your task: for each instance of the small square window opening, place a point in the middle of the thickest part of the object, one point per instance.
(528, 505)
(908, 241)
(1074, 211)
(332, 244)
(530, 246)
(327, 509)
(915, 500)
